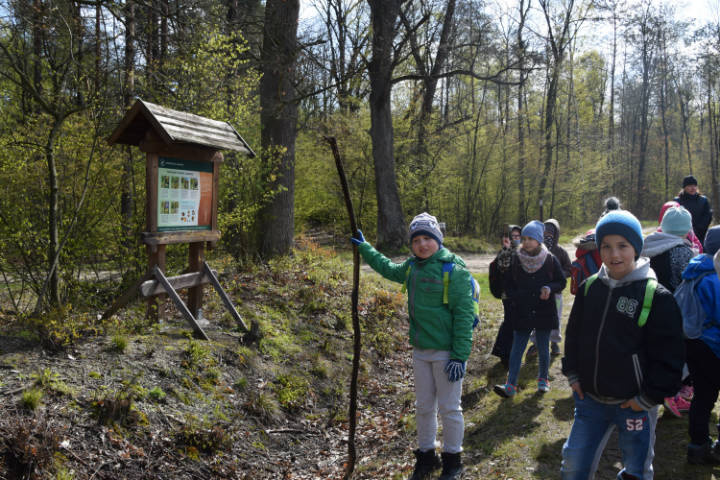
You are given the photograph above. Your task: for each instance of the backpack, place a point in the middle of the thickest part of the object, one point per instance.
(650, 288)
(582, 268)
(693, 312)
(447, 269)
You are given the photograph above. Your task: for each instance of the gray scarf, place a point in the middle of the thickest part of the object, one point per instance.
(532, 263)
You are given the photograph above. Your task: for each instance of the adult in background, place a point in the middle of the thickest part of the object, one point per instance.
(697, 204)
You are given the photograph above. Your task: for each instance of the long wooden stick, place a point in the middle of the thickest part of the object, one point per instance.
(352, 414)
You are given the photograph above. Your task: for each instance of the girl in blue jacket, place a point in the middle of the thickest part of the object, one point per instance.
(624, 354)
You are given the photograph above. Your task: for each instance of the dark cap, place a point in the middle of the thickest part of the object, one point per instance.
(689, 180)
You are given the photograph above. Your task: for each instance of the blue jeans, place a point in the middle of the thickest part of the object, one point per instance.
(594, 422)
(520, 341)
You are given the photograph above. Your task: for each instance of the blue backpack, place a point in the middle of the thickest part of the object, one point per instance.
(447, 269)
(693, 312)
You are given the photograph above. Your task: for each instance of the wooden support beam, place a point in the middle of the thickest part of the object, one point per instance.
(179, 303)
(129, 294)
(166, 238)
(226, 300)
(196, 257)
(187, 280)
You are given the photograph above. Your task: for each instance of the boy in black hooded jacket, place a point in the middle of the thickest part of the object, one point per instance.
(624, 354)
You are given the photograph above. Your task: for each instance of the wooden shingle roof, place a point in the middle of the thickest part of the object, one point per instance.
(175, 127)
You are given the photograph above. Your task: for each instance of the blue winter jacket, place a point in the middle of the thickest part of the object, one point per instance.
(708, 291)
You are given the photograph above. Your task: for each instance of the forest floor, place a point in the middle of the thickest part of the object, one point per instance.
(80, 399)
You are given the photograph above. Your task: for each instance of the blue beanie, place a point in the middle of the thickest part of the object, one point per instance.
(623, 223)
(426, 224)
(712, 240)
(676, 221)
(535, 230)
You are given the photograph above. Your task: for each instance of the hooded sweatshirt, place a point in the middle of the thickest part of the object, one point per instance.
(669, 255)
(708, 292)
(613, 357)
(559, 252)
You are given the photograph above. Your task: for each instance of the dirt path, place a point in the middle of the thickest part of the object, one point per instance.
(478, 262)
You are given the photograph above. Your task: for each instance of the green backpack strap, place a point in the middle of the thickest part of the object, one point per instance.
(589, 281)
(447, 268)
(650, 287)
(407, 276)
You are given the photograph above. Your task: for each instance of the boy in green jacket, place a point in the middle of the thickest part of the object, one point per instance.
(441, 334)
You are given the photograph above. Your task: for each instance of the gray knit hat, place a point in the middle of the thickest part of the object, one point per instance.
(426, 224)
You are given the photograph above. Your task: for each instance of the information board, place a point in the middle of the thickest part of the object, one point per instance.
(184, 194)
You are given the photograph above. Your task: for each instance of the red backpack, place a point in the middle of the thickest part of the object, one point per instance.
(583, 267)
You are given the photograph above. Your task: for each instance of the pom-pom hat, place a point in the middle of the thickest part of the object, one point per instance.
(623, 223)
(426, 224)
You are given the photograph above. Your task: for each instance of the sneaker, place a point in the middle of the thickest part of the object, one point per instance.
(687, 392)
(671, 405)
(554, 349)
(506, 391)
(683, 405)
(543, 385)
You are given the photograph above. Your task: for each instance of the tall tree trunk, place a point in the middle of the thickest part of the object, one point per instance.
(390, 222)
(520, 46)
(278, 118)
(611, 157)
(557, 47)
(127, 195)
(53, 293)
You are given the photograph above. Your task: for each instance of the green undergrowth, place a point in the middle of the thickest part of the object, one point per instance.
(218, 399)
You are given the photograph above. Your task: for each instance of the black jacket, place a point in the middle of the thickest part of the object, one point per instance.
(699, 207)
(522, 289)
(615, 359)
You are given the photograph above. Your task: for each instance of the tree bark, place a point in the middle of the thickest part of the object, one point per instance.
(276, 221)
(391, 230)
(127, 197)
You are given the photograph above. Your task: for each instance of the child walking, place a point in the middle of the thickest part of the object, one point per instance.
(703, 354)
(534, 276)
(624, 354)
(441, 334)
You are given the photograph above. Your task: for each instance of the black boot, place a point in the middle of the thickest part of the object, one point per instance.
(452, 466)
(425, 463)
(705, 454)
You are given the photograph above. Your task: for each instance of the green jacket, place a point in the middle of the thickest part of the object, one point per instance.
(433, 325)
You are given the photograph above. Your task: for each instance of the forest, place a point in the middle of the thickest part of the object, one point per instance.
(481, 112)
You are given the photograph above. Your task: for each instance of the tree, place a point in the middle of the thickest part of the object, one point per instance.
(276, 221)
(390, 221)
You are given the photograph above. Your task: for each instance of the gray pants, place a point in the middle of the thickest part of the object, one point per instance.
(434, 394)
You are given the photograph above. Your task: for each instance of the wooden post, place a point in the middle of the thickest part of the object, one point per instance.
(196, 258)
(156, 257)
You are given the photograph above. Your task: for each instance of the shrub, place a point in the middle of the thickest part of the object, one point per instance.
(31, 398)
